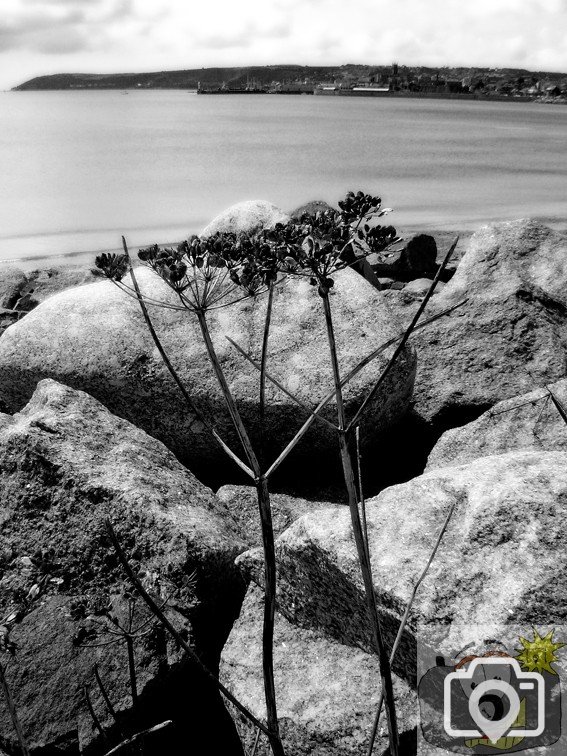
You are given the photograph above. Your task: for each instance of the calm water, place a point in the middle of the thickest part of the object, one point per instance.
(77, 169)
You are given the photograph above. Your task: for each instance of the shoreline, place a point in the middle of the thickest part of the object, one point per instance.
(82, 258)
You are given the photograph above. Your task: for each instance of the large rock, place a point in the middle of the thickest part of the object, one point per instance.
(530, 421)
(311, 208)
(12, 280)
(20, 292)
(246, 217)
(327, 693)
(417, 259)
(94, 338)
(502, 559)
(67, 464)
(509, 337)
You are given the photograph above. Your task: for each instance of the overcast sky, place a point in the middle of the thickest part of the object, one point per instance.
(51, 36)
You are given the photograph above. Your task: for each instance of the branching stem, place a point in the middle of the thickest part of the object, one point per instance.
(363, 556)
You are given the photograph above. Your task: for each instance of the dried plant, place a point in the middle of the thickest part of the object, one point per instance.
(222, 270)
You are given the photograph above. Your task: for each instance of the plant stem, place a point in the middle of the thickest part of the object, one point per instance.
(405, 618)
(106, 698)
(278, 384)
(174, 374)
(13, 712)
(138, 736)
(264, 357)
(316, 413)
(265, 510)
(409, 330)
(363, 556)
(94, 717)
(361, 492)
(227, 394)
(155, 609)
(269, 614)
(132, 669)
(558, 404)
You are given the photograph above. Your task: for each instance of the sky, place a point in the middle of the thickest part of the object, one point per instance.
(40, 37)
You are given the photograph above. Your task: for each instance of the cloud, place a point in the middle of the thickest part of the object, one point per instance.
(107, 35)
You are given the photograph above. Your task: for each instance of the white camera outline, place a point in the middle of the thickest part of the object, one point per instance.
(465, 674)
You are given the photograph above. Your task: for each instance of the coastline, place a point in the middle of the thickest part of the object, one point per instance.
(85, 258)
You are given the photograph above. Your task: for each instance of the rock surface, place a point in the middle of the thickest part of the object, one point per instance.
(22, 291)
(315, 206)
(420, 286)
(327, 693)
(94, 338)
(66, 464)
(502, 559)
(246, 217)
(530, 421)
(12, 280)
(511, 334)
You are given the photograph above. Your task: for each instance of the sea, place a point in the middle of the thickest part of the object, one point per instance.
(80, 168)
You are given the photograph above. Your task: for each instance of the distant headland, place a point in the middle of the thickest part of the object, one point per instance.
(345, 79)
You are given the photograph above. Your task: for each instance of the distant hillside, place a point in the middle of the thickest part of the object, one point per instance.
(263, 75)
(187, 79)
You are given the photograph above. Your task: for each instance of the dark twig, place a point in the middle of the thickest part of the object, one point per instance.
(227, 394)
(264, 358)
(106, 697)
(13, 712)
(138, 736)
(265, 510)
(392, 361)
(559, 406)
(361, 547)
(132, 669)
(405, 617)
(361, 491)
(279, 385)
(255, 744)
(94, 717)
(505, 410)
(315, 414)
(153, 607)
(174, 374)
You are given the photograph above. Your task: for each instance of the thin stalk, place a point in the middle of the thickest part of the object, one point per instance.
(94, 717)
(405, 618)
(269, 615)
(173, 372)
(264, 358)
(393, 359)
(132, 669)
(255, 744)
(315, 414)
(106, 697)
(278, 384)
(13, 712)
(361, 492)
(227, 394)
(138, 736)
(265, 510)
(542, 410)
(363, 556)
(182, 643)
(517, 406)
(559, 406)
